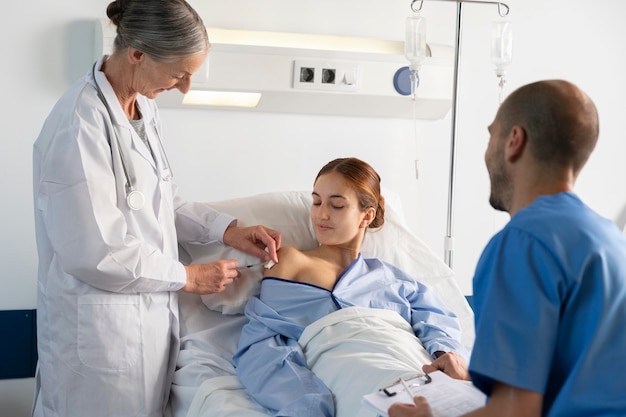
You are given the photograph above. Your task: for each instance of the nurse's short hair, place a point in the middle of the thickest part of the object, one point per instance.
(166, 30)
(560, 121)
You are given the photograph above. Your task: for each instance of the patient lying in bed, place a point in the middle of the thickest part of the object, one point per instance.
(340, 348)
(274, 360)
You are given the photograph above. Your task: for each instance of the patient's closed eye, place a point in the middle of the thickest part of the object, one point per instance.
(334, 206)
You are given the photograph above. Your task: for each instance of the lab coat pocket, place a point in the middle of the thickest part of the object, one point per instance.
(109, 330)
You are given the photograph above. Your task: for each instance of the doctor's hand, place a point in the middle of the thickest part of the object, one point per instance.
(212, 277)
(254, 240)
(420, 408)
(451, 364)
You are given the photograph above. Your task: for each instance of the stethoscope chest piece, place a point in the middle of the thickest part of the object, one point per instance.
(135, 200)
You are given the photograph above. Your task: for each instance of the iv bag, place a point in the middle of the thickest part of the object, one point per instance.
(501, 45)
(415, 41)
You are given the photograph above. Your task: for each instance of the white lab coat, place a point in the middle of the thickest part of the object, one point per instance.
(107, 280)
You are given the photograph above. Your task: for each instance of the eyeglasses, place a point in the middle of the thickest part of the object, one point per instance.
(413, 381)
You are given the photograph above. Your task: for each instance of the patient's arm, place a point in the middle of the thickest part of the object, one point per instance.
(273, 368)
(434, 324)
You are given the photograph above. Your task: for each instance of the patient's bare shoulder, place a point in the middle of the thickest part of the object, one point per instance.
(290, 262)
(306, 267)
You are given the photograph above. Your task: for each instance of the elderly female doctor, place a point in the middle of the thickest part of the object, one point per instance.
(108, 222)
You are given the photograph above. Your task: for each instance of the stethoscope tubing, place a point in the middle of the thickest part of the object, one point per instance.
(134, 198)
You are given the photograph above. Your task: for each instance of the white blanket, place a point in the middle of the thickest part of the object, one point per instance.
(355, 351)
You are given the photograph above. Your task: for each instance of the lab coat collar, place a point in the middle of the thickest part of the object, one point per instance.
(119, 117)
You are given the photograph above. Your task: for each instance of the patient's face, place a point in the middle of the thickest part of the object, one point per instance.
(336, 216)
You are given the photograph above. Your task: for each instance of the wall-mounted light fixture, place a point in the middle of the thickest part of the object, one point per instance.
(308, 74)
(221, 98)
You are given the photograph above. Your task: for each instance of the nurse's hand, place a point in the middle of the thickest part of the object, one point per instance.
(451, 364)
(254, 240)
(211, 278)
(420, 408)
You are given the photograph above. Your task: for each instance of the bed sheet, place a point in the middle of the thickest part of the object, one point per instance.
(354, 351)
(210, 326)
(208, 342)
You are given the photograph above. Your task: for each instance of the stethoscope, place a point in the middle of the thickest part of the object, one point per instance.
(134, 198)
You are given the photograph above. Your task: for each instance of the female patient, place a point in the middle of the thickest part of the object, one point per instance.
(305, 286)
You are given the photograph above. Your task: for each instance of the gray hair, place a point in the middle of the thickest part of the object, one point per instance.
(163, 29)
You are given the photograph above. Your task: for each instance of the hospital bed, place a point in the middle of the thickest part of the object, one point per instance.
(355, 351)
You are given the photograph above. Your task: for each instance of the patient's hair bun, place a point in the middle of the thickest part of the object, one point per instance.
(379, 219)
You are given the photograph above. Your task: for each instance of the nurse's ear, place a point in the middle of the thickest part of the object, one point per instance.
(515, 144)
(135, 56)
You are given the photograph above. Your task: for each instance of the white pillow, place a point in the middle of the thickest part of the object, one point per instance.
(287, 212)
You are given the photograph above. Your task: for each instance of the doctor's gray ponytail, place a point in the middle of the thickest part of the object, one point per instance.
(163, 29)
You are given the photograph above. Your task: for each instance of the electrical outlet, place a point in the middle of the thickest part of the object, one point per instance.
(307, 75)
(326, 75)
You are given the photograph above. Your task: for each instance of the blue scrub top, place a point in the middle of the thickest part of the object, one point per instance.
(550, 306)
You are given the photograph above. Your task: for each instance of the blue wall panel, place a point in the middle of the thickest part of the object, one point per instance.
(18, 343)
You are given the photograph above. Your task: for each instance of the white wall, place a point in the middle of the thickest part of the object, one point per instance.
(217, 155)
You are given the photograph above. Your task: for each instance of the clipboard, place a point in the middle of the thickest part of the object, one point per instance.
(403, 384)
(447, 397)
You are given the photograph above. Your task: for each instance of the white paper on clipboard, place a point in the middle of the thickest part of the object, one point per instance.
(447, 397)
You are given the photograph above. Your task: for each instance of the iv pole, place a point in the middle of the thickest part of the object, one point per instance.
(503, 10)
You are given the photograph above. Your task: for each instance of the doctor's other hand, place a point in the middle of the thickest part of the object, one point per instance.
(450, 364)
(210, 278)
(420, 408)
(254, 240)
